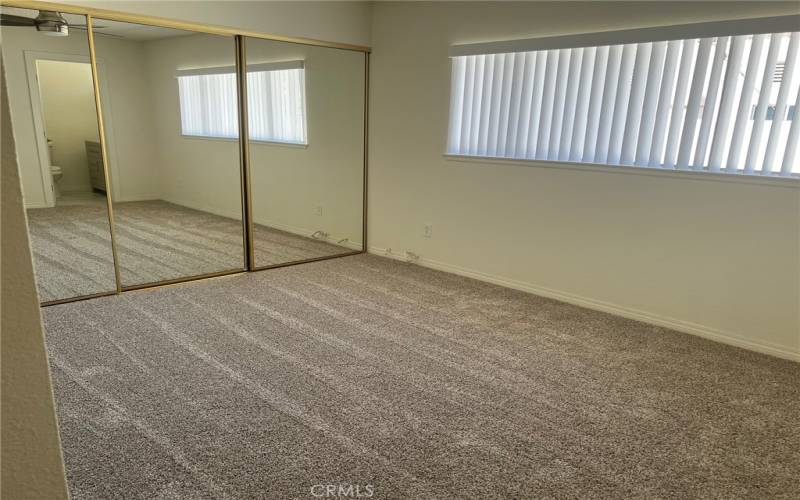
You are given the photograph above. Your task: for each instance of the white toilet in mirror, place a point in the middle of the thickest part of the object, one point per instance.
(55, 170)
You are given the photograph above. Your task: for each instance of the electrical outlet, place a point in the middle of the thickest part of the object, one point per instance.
(428, 231)
(318, 210)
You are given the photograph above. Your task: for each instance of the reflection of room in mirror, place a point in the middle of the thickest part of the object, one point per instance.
(172, 165)
(177, 200)
(305, 115)
(52, 102)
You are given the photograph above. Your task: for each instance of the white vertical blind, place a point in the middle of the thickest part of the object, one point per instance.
(607, 110)
(745, 102)
(710, 102)
(570, 104)
(205, 105)
(621, 104)
(715, 103)
(694, 104)
(276, 103)
(777, 127)
(724, 120)
(678, 104)
(790, 157)
(651, 95)
(760, 113)
(595, 99)
(559, 99)
(546, 116)
(582, 116)
(634, 119)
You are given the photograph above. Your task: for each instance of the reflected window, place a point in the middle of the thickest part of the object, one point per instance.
(276, 99)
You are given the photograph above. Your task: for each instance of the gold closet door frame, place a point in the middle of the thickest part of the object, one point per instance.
(239, 36)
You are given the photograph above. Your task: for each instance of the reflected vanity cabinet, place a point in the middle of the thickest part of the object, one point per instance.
(94, 160)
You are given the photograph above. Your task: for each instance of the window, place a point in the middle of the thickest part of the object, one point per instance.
(660, 97)
(275, 98)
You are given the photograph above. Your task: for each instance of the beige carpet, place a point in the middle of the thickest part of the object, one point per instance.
(362, 372)
(156, 241)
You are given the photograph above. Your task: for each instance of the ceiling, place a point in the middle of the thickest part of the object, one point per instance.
(134, 32)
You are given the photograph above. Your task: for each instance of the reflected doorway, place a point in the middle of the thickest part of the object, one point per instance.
(72, 142)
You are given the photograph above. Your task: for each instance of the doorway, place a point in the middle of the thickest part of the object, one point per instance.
(69, 119)
(67, 136)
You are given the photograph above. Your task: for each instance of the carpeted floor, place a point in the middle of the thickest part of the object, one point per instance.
(156, 241)
(367, 372)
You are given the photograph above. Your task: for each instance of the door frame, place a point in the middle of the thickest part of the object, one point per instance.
(37, 109)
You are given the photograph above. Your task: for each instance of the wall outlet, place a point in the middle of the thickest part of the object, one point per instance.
(428, 231)
(318, 210)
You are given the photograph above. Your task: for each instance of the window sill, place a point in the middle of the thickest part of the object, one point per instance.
(294, 145)
(792, 182)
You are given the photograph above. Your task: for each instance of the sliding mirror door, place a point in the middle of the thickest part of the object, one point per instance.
(52, 103)
(173, 151)
(306, 128)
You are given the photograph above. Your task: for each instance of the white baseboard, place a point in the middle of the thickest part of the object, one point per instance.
(353, 245)
(36, 205)
(283, 227)
(222, 212)
(626, 312)
(140, 197)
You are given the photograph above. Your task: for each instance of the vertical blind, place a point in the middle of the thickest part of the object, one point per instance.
(723, 104)
(275, 98)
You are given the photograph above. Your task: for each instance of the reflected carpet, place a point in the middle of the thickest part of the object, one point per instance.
(156, 241)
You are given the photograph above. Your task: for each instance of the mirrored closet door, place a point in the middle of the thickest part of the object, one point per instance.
(52, 103)
(305, 108)
(172, 141)
(158, 187)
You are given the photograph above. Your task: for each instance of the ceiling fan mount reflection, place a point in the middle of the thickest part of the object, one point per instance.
(48, 22)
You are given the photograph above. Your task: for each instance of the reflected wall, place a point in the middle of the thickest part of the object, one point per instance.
(176, 171)
(306, 127)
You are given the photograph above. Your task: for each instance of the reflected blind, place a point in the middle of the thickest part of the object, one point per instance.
(726, 103)
(275, 98)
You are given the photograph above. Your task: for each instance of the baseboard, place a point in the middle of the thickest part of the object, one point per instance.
(334, 239)
(222, 212)
(144, 197)
(643, 316)
(36, 205)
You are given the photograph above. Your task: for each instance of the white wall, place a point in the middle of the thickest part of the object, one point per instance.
(70, 118)
(126, 100)
(32, 467)
(711, 257)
